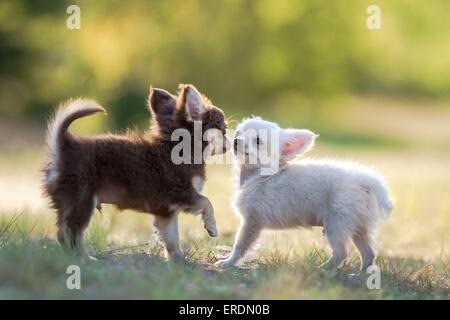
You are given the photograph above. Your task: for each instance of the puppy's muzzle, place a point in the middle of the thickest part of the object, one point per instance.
(220, 146)
(235, 145)
(239, 146)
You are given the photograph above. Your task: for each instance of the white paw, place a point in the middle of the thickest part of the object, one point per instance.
(224, 263)
(90, 258)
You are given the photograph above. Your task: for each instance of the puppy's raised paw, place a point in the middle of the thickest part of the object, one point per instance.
(212, 230)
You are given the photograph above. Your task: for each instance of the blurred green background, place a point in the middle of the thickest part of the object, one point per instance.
(267, 57)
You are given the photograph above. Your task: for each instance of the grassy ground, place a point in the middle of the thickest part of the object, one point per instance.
(414, 244)
(33, 266)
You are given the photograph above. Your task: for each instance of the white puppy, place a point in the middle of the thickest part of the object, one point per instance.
(344, 198)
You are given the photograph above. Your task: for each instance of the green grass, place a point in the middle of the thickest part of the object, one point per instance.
(32, 265)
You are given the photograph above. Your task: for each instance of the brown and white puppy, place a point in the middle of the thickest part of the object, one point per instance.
(132, 171)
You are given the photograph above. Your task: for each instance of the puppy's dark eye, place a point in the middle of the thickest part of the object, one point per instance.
(258, 141)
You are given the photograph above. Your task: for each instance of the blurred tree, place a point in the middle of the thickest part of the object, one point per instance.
(245, 55)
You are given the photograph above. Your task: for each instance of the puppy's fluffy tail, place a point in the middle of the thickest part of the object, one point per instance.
(67, 113)
(385, 204)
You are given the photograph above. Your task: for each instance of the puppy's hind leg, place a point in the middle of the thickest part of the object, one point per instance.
(365, 244)
(339, 241)
(61, 233)
(76, 222)
(168, 232)
(246, 236)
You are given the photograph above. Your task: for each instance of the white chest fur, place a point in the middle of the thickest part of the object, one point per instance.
(197, 183)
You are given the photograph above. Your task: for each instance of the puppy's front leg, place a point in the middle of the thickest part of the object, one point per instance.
(204, 206)
(168, 231)
(246, 236)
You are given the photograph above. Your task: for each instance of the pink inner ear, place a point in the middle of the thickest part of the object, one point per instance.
(292, 146)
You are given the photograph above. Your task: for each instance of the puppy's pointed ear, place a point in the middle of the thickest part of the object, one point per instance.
(295, 142)
(161, 103)
(191, 101)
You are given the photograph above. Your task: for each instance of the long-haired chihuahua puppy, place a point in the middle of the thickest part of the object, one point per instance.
(344, 198)
(132, 171)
